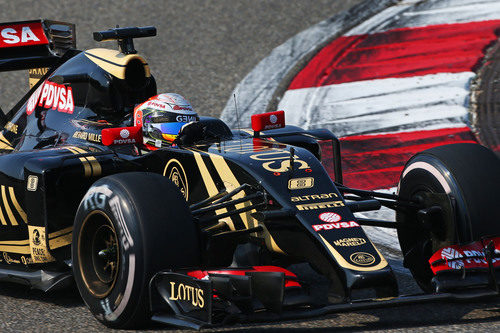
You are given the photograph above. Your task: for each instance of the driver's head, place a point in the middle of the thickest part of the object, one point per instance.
(162, 117)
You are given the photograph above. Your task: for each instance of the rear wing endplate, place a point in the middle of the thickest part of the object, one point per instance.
(34, 44)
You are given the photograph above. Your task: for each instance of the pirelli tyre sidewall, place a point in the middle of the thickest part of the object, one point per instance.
(469, 174)
(147, 218)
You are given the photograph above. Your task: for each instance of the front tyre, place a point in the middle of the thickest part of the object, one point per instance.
(127, 228)
(469, 175)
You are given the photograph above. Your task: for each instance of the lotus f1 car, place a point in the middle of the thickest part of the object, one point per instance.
(205, 232)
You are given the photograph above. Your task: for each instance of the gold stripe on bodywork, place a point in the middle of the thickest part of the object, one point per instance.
(94, 164)
(60, 238)
(19, 246)
(60, 232)
(230, 180)
(342, 262)
(19, 249)
(56, 239)
(114, 62)
(17, 205)
(4, 143)
(86, 165)
(231, 183)
(12, 219)
(210, 186)
(60, 241)
(15, 243)
(2, 217)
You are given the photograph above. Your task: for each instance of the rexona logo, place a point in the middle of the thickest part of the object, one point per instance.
(24, 34)
(52, 96)
(338, 225)
(183, 292)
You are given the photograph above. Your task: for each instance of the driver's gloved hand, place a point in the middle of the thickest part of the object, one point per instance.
(190, 133)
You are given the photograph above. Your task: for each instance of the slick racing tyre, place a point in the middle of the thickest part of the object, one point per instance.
(128, 227)
(469, 174)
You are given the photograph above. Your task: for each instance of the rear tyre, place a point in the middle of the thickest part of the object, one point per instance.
(127, 228)
(469, 174)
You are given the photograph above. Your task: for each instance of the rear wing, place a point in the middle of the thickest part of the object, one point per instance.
(34, 44)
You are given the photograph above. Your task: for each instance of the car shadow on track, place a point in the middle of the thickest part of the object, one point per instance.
(67, 297)
(414, 317)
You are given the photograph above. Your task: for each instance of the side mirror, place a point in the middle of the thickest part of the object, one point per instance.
(121, 136)
(268, 121)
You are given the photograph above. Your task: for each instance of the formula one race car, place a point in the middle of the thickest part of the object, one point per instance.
(204, 232)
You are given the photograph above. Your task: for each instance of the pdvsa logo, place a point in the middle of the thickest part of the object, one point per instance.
(24, 34)
(53, 96)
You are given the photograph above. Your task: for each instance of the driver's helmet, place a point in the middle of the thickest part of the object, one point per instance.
(162, 117)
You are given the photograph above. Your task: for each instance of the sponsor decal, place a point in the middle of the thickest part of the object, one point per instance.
(273, 119)
(184, 292)
(24, 34)
(300, 183)
(124, 133)
(320, 205)
(337, 225)
(53, 96)
(362, 258)
(88, 136)
(27, 260)
(8, 259)
(156, 105)
(32, 183)
(38, 245)
(330, 217)
(96, 197)
(353, 241)
(279, 161)
(184, 108)
(314, 197)
(125, 237)
(138, 118)
(11, 127)
(37, 73)
(451, 253)
(175, 172)
(185, 119)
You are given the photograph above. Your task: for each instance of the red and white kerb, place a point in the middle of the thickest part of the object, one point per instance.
(395, 92)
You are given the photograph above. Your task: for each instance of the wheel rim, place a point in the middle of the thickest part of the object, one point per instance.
(98, 254)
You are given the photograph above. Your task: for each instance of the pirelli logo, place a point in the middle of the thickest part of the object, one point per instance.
(11, 212)
(320, 205)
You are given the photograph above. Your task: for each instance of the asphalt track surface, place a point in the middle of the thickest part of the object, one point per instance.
(203, 49)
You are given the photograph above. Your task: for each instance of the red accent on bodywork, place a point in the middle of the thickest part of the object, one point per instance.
(290, 278)
(114, 136)
(458, 257)
(268, 121)
(12, 35)
(405, 52)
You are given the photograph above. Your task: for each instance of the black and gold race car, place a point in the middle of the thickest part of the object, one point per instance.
(204, 232)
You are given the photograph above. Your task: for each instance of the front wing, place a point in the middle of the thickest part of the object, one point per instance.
(198, 299)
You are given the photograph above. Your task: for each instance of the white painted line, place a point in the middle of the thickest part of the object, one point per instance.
(422, 102)
(424, 13)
